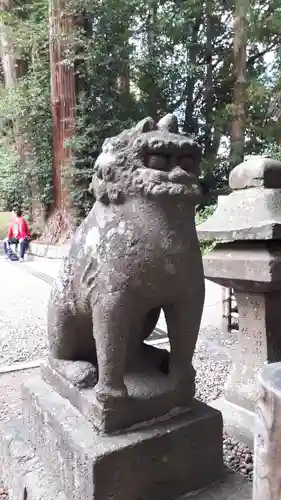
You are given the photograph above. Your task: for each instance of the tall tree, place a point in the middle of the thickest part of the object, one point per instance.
(138, 58)
(63, 104)
(239, 85)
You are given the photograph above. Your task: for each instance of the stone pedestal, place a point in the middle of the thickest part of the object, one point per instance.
(267, 472)
(160, 459)
(254, 271)
(151, 394)
(248, 259)
(111, 417)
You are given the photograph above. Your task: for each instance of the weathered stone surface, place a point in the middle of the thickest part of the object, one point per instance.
(232, 487)
(21, 470)
(253, 266)
(249, 218)
(238, 421)
(253, 270)
(252, 211)
(251, 352)
(161, 459)
(150, 395)
(267, 472)
(135, 253)
(257, 171)
(249, 214)
(23, 473)
(48, 251)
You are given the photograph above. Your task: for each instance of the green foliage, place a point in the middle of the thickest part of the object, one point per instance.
(273, 150)
(25, 114)
(167, 52)
(10, 181)
(201, 216)
(5, 218)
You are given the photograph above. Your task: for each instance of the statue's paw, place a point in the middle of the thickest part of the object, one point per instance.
(82, 374)
(108, 394)
(184, 382)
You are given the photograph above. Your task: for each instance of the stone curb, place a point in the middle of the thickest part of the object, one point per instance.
(48, 251)
(44, 250)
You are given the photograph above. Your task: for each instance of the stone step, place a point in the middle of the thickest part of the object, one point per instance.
(232, 487)
(26, 478)
(21, 470)
(165, 457)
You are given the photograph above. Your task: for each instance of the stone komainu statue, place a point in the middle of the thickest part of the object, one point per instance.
(136, 253)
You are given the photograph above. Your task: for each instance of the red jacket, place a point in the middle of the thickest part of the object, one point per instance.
(18, 228)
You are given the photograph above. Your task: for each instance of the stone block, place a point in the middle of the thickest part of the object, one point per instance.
(246, 214)
(255, 274)
(160, 459)
(151, 395)
(257, 171)
(267, 472)
(21, 470)
(48, 251)
(237, 421)
(24, 474)
(253, 266)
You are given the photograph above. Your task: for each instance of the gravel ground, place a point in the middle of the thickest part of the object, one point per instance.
(211, 373)
(23, 302)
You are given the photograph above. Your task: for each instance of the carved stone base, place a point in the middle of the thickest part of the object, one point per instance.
(267, 472)
(237, 420)
(253, 270)
(21, 470)
(151, 393)
(161, 459)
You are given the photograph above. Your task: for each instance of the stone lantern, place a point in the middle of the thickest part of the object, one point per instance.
(247, 258)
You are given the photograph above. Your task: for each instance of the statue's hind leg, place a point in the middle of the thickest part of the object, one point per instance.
(72, 351)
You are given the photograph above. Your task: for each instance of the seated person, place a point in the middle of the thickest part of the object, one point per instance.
(18, 232)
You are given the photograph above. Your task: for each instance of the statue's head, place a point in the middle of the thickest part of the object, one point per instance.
(150, 159)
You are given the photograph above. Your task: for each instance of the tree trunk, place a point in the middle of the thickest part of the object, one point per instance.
(209, 90)
(156, 103)
(7, 52)
(152, 97)
(190, 123)
(123, 80)
(239, 72)
(63, 102)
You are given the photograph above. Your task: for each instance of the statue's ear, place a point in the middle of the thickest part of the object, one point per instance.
(169, 122)
(106, 144)
(146, 125)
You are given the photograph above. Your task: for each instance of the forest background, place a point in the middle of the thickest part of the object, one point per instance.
(215, 63)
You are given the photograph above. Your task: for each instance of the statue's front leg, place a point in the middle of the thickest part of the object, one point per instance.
(113, 321)
(183, 321)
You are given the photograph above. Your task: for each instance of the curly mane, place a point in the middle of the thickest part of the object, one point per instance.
(120, 169)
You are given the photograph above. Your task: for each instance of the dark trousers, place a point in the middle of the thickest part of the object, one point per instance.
(22, 242)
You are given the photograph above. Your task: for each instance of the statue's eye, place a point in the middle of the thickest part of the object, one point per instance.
(158, 162)
(187, 163)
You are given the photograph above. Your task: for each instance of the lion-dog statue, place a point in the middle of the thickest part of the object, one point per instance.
(135, 254)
